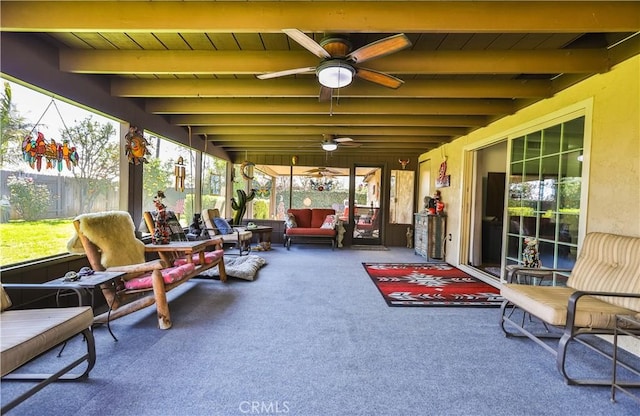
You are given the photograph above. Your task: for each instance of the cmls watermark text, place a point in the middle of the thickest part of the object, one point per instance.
(264, 407)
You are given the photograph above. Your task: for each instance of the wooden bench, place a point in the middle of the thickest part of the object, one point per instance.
(108, 240)
(29, 333)
(604, 283)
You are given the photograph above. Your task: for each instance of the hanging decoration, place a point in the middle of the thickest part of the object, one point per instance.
(180, 173)
(324, 184)
(246, 170)
(403, 162)
(264, 190)
(136, 146)
(443, 179)
(57, 155)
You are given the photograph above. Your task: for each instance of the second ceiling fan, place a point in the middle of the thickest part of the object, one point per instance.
(330, 142)
(339, 64)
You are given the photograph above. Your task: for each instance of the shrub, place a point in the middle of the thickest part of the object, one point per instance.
(29, 199)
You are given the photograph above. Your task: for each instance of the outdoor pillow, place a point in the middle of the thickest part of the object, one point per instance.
(329, 222)
(222, 225)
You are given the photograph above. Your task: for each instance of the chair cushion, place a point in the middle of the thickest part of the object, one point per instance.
(5, 300)
(608, 263)
(237, 236)
(222, 225)
(312, 232)
(549, 303)
(169, 275)
(28, 333)
(209, 257)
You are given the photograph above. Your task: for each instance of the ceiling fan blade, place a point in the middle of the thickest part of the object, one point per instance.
(307, 43)
(350, 144)
(343, 139)
(325, 94)
(380, 48)
(309, 69)
(380, 78)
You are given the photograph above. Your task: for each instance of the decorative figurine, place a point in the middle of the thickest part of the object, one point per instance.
(409, 237)
(530, 257)
(162, 232)
(341, 230)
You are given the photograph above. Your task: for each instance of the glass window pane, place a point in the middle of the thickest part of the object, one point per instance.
(214, 183)
(549, 184)
(546, 251)
(320, 187)
(40, 196)
(159, 175)
(282, 189)
(533, 145)
(517, 149)
(263, 201)
(551, 139)
(544, 194)
(573, 135)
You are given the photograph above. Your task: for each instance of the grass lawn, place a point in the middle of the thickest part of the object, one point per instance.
(28, 240)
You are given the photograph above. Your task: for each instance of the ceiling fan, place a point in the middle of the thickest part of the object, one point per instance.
(339, 64)
(321, 171)
(330, 142)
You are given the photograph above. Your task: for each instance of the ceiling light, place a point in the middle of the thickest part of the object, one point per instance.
(335, 73)
(329, 146)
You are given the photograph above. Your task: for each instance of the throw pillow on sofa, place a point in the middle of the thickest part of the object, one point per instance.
(329, 222)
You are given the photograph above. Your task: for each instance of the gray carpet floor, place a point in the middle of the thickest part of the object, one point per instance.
(313, 336)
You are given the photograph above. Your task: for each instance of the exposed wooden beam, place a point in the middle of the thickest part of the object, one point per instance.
(540, 61)
(326, 120)
(340, 130)
(398, 106)
(463, 88)
(268, 139)
(272, 17)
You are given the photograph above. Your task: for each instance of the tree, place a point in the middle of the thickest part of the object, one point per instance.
(98, 164)
(157, 177)
(13, 129)
(29, 199)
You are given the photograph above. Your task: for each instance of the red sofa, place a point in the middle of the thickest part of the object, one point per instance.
(309, 226)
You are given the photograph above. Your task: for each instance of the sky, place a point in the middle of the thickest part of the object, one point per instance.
(35, 106)
(52, 115)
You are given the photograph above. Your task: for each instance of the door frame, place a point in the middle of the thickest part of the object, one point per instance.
(382, 196)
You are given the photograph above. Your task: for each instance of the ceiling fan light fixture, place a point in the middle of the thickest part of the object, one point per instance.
(335, 73)
(329, 145)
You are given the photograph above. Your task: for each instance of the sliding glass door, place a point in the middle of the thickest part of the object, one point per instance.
(367, 210)
(544, 193)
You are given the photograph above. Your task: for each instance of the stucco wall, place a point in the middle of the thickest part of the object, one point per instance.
(614, 166)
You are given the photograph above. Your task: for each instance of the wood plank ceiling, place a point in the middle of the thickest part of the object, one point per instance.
(196, 63)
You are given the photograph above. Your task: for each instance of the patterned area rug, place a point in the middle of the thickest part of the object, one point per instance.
(430, 284)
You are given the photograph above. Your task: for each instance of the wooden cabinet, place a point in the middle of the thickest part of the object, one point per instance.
(429, 236)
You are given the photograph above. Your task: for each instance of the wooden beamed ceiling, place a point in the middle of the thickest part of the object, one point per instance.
(196, 63)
